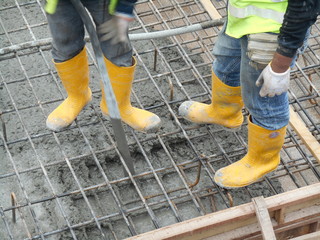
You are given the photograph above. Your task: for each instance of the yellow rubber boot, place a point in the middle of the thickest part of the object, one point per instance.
(121, 79)
(263, 157)
(74, 74)
(225, 108)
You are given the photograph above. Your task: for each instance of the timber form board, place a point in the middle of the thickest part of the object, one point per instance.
(287, 215)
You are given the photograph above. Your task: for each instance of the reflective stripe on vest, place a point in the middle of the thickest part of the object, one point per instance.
(255, 11)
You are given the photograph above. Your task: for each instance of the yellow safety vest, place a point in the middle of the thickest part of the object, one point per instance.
(255, 16)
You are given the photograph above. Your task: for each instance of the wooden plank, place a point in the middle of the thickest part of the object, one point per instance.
(297, 197)
(204, 226)
(235, 233)
(252, 232)
(279, 215)
(263, 218)
(303, 132)
(310, 236)
(315, 227)
(212, 11)
(233, 218)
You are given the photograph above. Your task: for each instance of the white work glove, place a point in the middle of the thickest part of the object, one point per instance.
(273, 83)
(261, 47)
(116, 30)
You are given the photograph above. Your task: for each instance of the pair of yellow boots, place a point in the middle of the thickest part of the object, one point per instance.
(74, 75)
(264, 145)
(226, 110)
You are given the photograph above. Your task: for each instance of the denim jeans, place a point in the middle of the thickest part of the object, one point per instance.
(231, 66)
(67, 30)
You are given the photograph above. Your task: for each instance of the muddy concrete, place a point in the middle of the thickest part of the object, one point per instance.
(51, 188)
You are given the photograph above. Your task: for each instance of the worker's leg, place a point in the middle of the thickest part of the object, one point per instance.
(71, 62)
(114, 53)
(121, 66)
(226, 104)
(266, 130)
(67, 32)
(268, 112)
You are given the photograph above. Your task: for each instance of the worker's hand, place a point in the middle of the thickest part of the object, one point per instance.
(261, 47)
(116, 30)
(273, 83)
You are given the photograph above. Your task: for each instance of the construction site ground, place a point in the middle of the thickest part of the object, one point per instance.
(71, 184)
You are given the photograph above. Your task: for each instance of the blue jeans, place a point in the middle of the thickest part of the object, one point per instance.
(231, 66)
(67, 30)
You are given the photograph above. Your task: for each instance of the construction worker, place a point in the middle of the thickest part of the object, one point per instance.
(253, 55)
(112, 19)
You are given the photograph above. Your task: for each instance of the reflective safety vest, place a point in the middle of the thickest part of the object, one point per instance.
(255, 16)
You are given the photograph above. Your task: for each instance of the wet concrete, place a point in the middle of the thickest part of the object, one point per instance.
(30, 82)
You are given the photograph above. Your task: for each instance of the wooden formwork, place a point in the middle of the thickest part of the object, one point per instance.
(294, 214)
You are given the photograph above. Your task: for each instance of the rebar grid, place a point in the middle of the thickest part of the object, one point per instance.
(70, 184)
